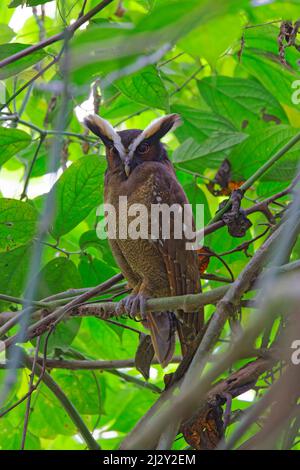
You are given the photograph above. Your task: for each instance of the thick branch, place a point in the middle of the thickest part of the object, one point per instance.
(79, 364)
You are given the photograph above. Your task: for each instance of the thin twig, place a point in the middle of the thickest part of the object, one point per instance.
(35, 156)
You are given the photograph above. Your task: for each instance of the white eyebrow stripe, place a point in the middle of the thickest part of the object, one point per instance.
(151, 129)
(115, 137)
(110, 132)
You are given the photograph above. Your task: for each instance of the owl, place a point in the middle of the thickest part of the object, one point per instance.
(138, 169)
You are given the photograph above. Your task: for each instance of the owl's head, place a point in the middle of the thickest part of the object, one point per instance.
(130, 148)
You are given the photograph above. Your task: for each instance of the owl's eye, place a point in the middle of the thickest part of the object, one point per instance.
(143, 148)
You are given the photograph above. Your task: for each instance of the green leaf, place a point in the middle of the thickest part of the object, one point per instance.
(132, 408)
(94, 271)
(28, 3)
(41, 166)
(49, 417)
(11, 436)
(77, 192)
(17, 223)
(145, 87)
(90, 239)
(245, 103)
(268, 188)
(261, 59)
(251, 154)
(11, 142)
(199, 124)
(210, 40)
(6, 33)
(195, 196)
(59, 275)
(83, 388)
(197, 157)
(120, 107)
(7, 50)
(14, 267)
(98, 339)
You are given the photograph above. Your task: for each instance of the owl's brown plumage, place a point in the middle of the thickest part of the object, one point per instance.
(139, 168)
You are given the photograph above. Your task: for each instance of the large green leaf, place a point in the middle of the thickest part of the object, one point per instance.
(83, 389)
(90, 239)
(199, 124)
(28, 3)
(6, 50)
(17, 223)
(13, 268)
(11, 436)
(210, 40)
(120, 107)
(77, 192)
(11, 142)
(6, 33)
(196, 196)
(261, 59)
(251, 154)
(49, 417)
(132, 408)
(246, 103)
(59, 275)
(145, 87)
(98, 339)
(210, 153)
(94, 271)
(267, 11)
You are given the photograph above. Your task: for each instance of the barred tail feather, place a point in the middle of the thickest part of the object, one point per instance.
(162, 330)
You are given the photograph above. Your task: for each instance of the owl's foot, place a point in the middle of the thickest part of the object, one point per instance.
(132, 305)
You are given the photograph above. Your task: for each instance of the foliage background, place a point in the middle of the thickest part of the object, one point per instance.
(134, 61)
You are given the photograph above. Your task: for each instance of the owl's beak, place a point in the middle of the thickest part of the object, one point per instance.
(127, 167)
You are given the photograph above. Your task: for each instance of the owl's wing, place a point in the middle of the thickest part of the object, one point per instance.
(181, 263)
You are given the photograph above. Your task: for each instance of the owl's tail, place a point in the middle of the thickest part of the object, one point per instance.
(162, 326)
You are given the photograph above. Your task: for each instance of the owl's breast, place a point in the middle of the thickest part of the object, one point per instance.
(132, 200)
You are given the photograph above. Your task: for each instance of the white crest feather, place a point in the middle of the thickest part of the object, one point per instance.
(154, 127)
(107, 130)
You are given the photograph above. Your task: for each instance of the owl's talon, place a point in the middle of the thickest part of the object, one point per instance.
(132, 305)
